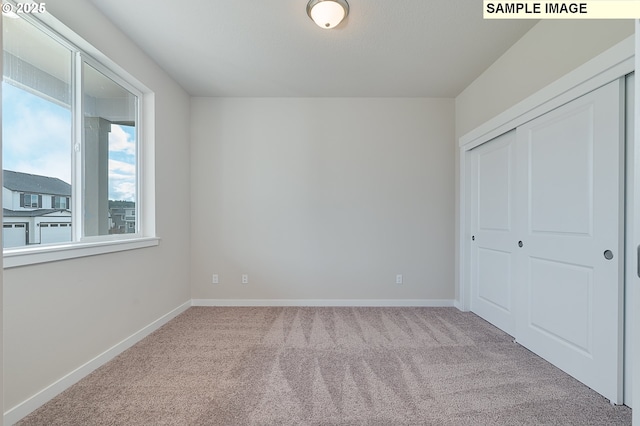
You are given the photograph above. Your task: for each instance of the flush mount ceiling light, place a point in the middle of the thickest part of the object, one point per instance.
(327, 13)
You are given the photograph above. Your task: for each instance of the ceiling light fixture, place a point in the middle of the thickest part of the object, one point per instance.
(327, 13)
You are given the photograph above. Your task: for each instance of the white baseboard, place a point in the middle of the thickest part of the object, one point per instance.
(24, 408)
(326, 302)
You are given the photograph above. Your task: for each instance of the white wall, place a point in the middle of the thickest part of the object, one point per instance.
(323, 198)
(547, 52)
(58, 316)
(7, 195)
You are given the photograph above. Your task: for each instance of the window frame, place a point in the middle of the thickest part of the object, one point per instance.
(145, 233)
(77, 163)
(31, 196)
(56, 202)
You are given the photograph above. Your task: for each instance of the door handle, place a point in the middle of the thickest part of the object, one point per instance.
(608, 254)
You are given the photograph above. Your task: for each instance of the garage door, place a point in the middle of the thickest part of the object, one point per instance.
(55, 233)
(14, 235)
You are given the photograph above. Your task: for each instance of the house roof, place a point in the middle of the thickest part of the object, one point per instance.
(33, 213)
(37, 184)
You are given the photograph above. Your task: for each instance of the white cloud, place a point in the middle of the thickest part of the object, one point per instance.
(122, 180)
(43, 148)
(121, 141)
(123, 191)
(121, 167)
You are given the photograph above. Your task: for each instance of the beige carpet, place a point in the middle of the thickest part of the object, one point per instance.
(328, 366)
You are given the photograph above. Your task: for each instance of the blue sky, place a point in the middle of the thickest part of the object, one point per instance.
(36, 139)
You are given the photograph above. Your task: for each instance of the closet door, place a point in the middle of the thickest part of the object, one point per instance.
(493, 229)
(569, 265)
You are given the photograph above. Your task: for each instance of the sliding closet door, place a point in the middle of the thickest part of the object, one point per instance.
(493, 229)
(570, 256)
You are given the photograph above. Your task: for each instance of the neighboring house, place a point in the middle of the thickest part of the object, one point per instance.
(36, 209)
(122, 220)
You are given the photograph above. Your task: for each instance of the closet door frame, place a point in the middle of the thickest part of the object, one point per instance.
(614, 63)
(611, 65)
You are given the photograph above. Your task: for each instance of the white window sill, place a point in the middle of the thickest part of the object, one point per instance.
(33, 255)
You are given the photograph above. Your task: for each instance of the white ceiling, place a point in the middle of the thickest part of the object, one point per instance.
(431, 48)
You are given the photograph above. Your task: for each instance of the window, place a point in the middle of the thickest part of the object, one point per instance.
(110, 116)
(31, 201)
(71, 129)
(61, 203)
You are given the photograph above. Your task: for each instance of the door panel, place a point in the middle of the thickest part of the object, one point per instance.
(494, 285)
(553, 284)
(494, 182)
(569, 180)
(561, 173)
(492, 295)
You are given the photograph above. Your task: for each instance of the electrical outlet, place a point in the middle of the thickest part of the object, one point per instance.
(245, 279)
(399, 279)
(214, 279)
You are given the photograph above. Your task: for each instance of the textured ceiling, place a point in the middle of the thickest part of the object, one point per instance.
(432, 48)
